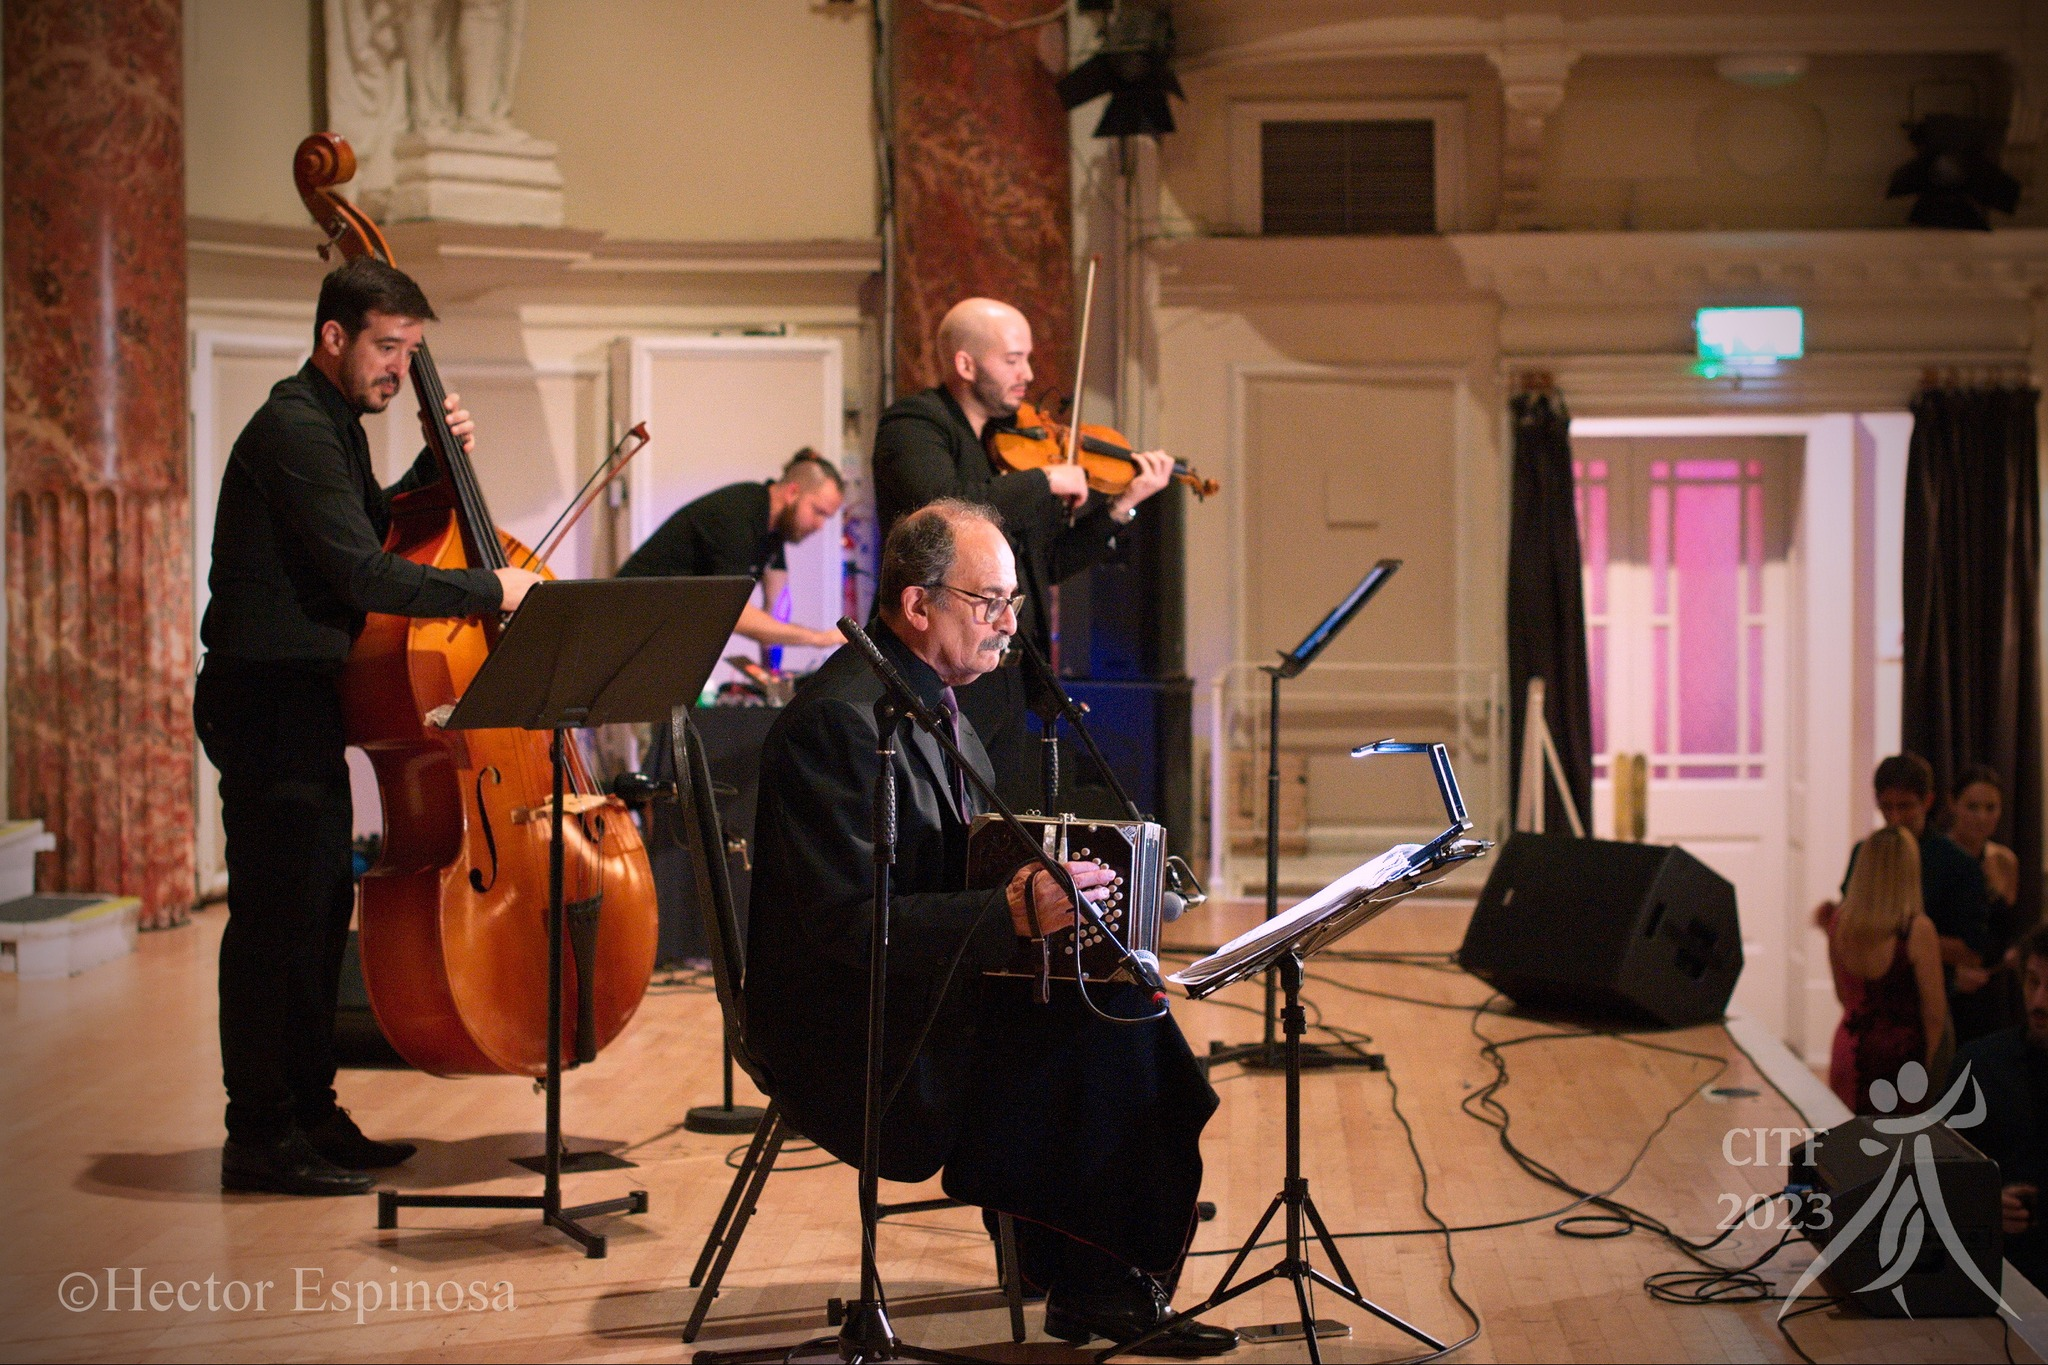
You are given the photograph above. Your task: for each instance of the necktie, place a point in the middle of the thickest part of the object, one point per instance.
(951, 704)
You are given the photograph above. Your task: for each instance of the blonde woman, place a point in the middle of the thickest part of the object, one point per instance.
(1886, 959)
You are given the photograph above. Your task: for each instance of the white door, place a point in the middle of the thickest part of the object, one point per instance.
(1685, 541)
(720, 410)
(232, 373)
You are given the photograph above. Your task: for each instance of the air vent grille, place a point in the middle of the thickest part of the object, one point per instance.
(1335, 178)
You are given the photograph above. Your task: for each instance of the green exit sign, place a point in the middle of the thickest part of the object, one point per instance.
(1749, 336)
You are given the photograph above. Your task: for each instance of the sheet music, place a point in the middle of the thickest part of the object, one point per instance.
(1346, 893)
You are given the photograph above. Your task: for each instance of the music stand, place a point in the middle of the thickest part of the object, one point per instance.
(592, 652)
(1268, 1054)
(1315, 924)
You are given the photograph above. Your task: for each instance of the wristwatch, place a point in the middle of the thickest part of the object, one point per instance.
(1130, 515)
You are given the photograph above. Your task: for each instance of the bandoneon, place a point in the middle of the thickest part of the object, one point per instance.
(1135, 850)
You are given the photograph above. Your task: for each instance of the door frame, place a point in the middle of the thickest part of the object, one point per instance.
(209, 346)
(1821, 785)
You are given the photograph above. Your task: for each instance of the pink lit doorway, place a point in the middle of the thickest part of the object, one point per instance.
(1741, 584)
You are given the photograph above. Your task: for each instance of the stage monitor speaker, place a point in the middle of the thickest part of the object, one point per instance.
(1610, 932)
(1850, 1164)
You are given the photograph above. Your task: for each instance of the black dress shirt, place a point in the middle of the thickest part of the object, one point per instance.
(298, 540)
(2014, 1075)
(722, 533)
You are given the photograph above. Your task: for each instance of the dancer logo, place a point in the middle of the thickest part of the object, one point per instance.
(1908, 1197)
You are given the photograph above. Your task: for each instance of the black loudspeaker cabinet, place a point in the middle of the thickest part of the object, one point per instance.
(358, 1041)
(1608, 932)
(733, 738)
(1848, 1164)
(1145, 728)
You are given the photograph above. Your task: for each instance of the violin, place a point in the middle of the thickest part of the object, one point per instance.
(455, 913)
(1033, 440)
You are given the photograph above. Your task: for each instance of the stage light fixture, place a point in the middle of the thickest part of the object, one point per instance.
(1134, 67)
(1954, 173)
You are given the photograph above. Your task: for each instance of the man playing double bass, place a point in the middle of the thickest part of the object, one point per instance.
(929, 445)
(298, 560)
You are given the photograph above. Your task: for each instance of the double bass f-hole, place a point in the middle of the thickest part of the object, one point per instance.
(477, 882)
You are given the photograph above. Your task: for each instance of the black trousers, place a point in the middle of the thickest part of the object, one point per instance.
(275, 733)
(1088, 1132)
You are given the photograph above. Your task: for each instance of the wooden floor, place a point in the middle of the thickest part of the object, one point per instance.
(110, 1110)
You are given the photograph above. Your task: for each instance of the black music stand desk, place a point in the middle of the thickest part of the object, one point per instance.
(1286, 942)
(580, 653)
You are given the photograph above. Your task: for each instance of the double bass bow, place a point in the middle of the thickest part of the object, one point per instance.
(454, 915)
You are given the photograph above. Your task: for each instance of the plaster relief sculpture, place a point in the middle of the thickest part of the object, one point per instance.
(422, 89)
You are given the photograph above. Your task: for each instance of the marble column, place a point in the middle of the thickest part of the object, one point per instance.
(99, 527)
(982, 199)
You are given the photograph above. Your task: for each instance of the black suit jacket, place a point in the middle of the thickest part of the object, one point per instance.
(2013, 1074)
(1049, 1112)
(813, 904)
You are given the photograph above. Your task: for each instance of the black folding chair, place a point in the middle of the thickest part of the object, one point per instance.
(728, 973)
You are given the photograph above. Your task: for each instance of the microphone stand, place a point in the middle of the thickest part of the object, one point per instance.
(932, 724)
(1052, 705)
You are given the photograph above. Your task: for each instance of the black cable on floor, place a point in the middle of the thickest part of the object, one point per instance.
(1785, 1330)
(1450, 1255)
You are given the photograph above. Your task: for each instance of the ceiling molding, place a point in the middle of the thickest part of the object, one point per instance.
(1532, 268)
(462, 262)
(1610, 269)
(1671, 385)
(1841, 28)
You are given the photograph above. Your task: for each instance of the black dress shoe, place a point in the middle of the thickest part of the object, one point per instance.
(1128, 1311)
(337, 1138)
(287, 1166)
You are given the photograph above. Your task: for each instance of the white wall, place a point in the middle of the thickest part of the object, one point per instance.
(674, 119)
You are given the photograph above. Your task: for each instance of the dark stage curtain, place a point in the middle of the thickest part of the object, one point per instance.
(1546, 603)
(1972, 595)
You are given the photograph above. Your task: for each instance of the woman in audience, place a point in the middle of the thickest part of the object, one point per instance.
(1886, 959)
(1979, 802)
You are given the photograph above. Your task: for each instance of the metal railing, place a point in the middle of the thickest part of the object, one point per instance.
(1335, 706)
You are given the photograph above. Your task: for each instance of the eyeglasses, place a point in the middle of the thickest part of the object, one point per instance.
(989, 608)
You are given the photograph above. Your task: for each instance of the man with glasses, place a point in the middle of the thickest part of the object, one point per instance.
(1087, 1130)
(929, 446)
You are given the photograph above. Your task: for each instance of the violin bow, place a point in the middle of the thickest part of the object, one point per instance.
(1081, 362)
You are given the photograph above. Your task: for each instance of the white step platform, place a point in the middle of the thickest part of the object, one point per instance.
(52, 936)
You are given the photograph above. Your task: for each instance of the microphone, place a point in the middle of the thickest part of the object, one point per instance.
(1146, 971)
(1171, 906)
(891, 679)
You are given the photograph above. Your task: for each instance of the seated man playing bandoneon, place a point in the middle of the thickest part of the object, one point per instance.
(1086, 1130)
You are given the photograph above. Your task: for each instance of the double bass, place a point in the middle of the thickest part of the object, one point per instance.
(454, 916)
